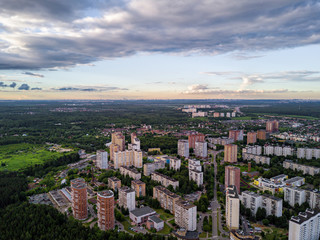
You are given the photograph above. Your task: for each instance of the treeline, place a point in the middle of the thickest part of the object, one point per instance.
(167, 144)
(28, 222)
(39, 170)
(12, 187)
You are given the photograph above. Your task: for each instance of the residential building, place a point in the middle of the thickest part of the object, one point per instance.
(102, 159)
(127, 198)
(271, 204)
(287, 151)
(305, 226)
(149, 168)
(185, 215)
(288, 164)
(230, 153)
(313, 198)
(278, 151)
(193, 138)
(114, 183)
(251, 137)
(183, 148)
(201, 149)
(175, 164)
(294, 195)
(272, 126)
(196, 176)
(256, 149)
(268, 150)
(257, 158)
(166, 198)
(261, 134)
(128, 158)
(232, 207)
(105, 210)
(139, 188)
(117, 143)
(131, 172)
(295, 181)
(221, 141)
(236, 135)
(232, 177)
(139, 216)
(194, 164)
(79, 198)
(164, 180)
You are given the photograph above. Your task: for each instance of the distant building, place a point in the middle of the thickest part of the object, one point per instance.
(79, 198)
(236, 135)
(128, 158)
(185, 215)
(139, 187)
(194, 165)
(251, 137)
(196, 176)
(261, 134)
(164, 180)
(310, 170)
(230, 153)
(305, 226)
(131, 172)
(232, 207)
(149, 168)
(232, 177)
(102, 159)
(127, 198)
(201, 149)
(118, 143)
(193, 138)
(105, 208)
(183, 148)
(175, 164)
(114, 183)
(272, 126)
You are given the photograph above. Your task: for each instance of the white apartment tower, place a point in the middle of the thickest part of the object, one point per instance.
(102, 159)
(201, 149)
(183, 148)
(127, 198)
(185, 215)
(196, 176)
(232, 207)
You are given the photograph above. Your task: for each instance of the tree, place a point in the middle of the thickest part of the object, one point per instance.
(261, 214)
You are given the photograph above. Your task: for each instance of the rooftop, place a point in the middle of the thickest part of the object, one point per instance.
(155, 219)
(139, 212)
(126, 189)
(106, 193)
(114, 179)
(304, 216)
(185, 204)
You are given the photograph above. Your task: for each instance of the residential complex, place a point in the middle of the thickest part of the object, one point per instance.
(185, 215)
(232, 207)
(305, 226)
(200, 149)
(232, 177)
(308, 153)
(236, 135)
(220, 141)
(257, 158)
(165, 180)
(193, 138)
(251, 137)
(127, 198)
(128, 158)
(131, 172)
(166, 198)
(114, 183)
(230, 153)
(262, 134)
(295, 195)
(310, 170)
(149, 168)
(183, 148)
(105, 209)
(272, 126)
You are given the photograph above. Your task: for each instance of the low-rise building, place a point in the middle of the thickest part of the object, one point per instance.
(164, 180)
(155, 222)
(295, 181)
(237, 235)
(140, 216)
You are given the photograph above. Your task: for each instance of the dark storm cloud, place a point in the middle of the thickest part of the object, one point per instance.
(59, 34)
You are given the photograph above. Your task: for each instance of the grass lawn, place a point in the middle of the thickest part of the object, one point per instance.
(166, 230)
(126, 226)
(17, 156)
(244, 168)
(203, 235)
(241, 118)
(275, 233)
(163, 214)
(171, 221)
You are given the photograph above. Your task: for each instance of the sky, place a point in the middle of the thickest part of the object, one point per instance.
(164, 49)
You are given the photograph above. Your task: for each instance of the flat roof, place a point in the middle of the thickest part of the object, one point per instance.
(304, 216)
(155, 219)
(139, 212)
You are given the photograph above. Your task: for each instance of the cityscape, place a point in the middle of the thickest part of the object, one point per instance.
(159, 120)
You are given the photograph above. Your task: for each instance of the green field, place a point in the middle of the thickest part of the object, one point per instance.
(286, 115)
(163, 215)
(16, 156)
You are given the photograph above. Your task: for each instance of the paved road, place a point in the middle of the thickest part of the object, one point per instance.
(214, 203)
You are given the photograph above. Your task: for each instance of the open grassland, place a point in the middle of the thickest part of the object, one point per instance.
(16, 156)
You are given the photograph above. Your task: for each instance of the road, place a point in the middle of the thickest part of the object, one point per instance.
(214, 203)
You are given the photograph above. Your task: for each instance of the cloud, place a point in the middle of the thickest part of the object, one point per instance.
(58, 34)
(89, 89)
(12, 85)
(24, 86)
(36, 88)
(34, 74)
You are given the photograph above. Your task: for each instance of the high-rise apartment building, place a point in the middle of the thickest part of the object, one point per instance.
(201, 149)
(149, 168)
(236, 135)
(305, 226)
(251, 137)
(79, 198)
(139, 187)
(128, 158)
(196, 176)
(102, 159)
(114, 183)
(185, 215)
(232, 177)
(232, 207)
(118, 143)
(262, 134)
(166, 198)
(164, 180)
(127, 198)
(175, 164)
(193, 138)
(105, 207)
(230, 153)
(183, 148)
(272, 126)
